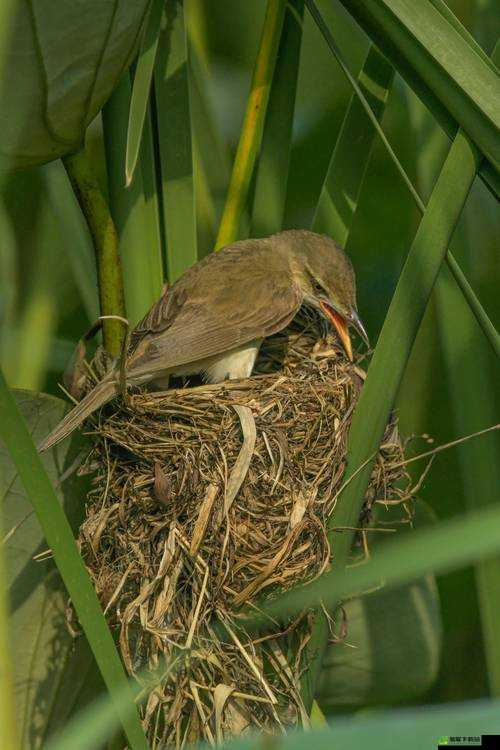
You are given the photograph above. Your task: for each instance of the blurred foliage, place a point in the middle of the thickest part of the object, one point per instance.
(46, 299)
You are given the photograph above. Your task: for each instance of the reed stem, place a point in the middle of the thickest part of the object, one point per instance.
(105, 241)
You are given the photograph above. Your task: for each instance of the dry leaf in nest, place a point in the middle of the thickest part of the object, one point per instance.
(205, 500)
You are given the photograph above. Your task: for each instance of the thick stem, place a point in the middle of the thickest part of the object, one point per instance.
(105, 240)
(253, 125)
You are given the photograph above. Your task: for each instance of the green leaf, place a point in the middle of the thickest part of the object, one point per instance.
(135, 209)
(80, 250)
(62, 64)
(346, 172)
(274, 158)
(413, 729)
(482, 318)
(431, 53)
(174, 142)
(59, 537)
(51, 669)
(212, 158)
(467, 368)
(391, 651)
(141, 87)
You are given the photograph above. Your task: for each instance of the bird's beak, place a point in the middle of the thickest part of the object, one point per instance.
(340, 324)
(356, 321)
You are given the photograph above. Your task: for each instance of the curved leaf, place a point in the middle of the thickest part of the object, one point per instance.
(63, 62)
(391, 651)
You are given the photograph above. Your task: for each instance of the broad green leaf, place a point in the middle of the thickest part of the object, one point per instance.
(274, 158)
(421, 40)
(59, 537)
(51, 669)
(141, 87)
(419, 728)
(63, 62)
(391, 650)
(340, 192)
(212, 158)
(135, 209)
(174, 142)
(369, 112)
(467, 368)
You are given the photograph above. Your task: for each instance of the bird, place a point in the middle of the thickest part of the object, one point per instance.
(213, 319)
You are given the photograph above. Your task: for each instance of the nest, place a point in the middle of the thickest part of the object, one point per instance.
(205, 501)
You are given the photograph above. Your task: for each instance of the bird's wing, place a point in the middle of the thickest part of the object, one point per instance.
(219, 307)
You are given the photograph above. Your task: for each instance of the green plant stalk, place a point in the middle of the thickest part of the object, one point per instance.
(386, 369)
(8, 734)
(253, 125)
(482, 318)
(105, 240)
(274, 159)
(58, 534)
(72, 223)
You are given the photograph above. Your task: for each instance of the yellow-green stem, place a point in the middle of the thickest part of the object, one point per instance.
(253, 124)
(105, 240)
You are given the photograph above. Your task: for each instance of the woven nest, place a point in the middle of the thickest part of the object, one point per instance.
(206, 500)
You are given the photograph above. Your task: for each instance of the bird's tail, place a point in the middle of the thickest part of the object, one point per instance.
(101, 394)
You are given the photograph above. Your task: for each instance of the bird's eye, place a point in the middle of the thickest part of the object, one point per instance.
(318, 289)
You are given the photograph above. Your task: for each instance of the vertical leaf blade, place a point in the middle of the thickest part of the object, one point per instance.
(141, 87)
(274, 159)
(340, 192)
(174, 139)
(134, 209)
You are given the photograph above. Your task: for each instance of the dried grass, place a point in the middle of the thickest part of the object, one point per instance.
(206, 499)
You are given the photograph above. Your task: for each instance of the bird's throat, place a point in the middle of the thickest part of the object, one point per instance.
(340, 325)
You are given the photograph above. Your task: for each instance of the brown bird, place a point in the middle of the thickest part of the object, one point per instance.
(215, 317)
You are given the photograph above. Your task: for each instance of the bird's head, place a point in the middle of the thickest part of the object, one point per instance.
(327, 280)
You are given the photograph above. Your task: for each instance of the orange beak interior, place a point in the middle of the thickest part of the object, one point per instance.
(341, 327)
